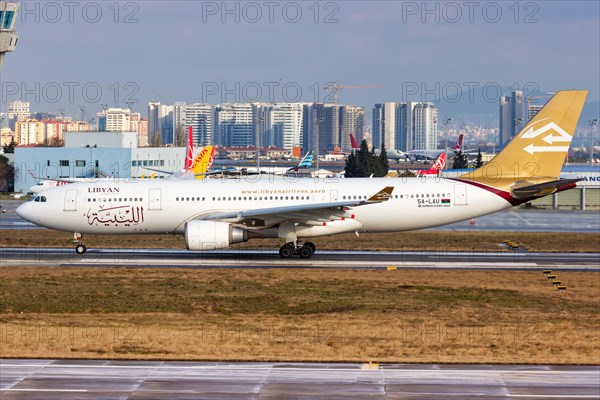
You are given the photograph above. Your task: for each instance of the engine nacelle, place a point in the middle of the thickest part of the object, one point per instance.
(212, 235)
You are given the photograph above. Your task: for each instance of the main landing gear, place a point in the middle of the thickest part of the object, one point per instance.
(79, 245)
(290, 249)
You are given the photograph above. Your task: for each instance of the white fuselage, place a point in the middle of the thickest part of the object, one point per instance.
(161, 206)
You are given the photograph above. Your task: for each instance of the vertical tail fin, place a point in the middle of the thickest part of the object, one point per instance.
(538, 151)
(354, 143)
(203, 161)
(189, 157)
(306, 161)
(437, 166)
(459, 143)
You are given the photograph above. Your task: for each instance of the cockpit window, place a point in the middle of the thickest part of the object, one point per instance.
(39, 199)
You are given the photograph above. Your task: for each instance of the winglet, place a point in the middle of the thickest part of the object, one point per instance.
(383, 195)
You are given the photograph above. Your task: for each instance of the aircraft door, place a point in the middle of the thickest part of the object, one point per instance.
(333, 196)
(155, 200)
(70, 200)
(460, 194)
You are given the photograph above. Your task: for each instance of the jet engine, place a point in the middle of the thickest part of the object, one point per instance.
(212, 235)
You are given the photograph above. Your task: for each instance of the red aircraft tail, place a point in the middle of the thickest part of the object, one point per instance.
(459, 143)
(438, 166)
(354, 143)
(189, 157)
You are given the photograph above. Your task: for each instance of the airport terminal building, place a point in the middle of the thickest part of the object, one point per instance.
(93, 154)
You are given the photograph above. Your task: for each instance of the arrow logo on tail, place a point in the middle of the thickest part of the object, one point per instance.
(531, 149)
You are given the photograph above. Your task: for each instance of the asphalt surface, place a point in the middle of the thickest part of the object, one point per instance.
(510, 220)
(95, 379)
(156, 258)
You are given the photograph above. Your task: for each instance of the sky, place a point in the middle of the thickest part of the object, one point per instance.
(90, 53)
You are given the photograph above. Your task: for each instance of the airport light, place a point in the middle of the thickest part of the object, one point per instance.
(447, 123)
(593, 123)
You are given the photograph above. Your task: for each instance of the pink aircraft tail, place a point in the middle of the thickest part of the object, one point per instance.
(354, 143)
(459, 143)
(189, 157)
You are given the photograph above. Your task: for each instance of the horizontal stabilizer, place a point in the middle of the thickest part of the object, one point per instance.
(524, 189)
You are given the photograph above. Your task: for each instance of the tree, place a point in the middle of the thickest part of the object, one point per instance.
(156, 140)
(181, 139)
(479, 161)
(460, 160)
(55, 142)
(10, 148)
(364, 163)
(7, 175)
(351, 169)
(384, 163)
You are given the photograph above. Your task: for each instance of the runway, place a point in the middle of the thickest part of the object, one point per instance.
(93, 379)
(510, 220)
(157, 258)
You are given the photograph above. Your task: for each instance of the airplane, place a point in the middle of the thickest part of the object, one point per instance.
(393, 154)
(435, 169)
(305, 163)
(431, 154)
(215, 214)
(194, 168)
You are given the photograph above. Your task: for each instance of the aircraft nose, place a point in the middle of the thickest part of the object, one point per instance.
(24, 211)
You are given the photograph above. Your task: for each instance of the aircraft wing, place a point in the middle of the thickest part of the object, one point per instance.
(162, 171)
(303, 213)
(67, 180)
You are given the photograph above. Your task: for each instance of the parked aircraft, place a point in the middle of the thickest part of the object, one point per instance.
(432, 154)
(214, 214)
(435, 169)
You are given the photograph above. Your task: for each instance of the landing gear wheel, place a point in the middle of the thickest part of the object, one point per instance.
(286, 251)
(305, 251)
(80, 248)
(311, 245)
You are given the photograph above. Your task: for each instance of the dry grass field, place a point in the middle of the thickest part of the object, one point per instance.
(300, 314)
(408, 241)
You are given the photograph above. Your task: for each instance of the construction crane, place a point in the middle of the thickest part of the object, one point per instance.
(335, 88)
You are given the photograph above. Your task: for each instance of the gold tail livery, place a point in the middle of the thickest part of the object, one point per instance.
(214, 213)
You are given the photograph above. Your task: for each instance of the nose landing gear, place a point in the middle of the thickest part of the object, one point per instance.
(80, 247)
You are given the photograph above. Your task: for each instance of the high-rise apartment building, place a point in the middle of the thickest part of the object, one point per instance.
(117, 120)
(30, 131)
(352, 121)
(18, 110)
(200, 117)
(405, 126)
(512, 116)
(425, 119)
(161, 129)
(280, 124)
(234, 125)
